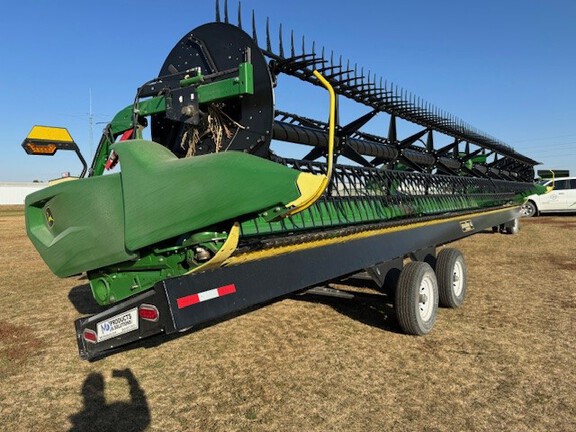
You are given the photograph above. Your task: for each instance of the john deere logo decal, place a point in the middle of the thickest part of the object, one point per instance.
(49, 217)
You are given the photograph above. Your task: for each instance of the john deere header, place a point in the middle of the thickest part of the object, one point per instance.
(207, 187)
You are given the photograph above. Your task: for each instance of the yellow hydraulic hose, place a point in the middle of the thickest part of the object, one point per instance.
(551, 188)
(313, 186)
(331, 126)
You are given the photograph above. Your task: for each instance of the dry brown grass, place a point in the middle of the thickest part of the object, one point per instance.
(505, 361)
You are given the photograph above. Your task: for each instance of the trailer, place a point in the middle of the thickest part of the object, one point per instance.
(417, 287)
(205, 220)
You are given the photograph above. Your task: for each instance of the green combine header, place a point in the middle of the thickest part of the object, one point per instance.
(205, 220)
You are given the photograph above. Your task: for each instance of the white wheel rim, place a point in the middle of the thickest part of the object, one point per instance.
(458, 278)
(426, 298)
(528, 209)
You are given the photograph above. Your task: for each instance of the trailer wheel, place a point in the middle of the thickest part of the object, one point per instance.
(417, 298)
(451, 273)
(512, 227)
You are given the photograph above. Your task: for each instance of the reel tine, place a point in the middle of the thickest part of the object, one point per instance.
(340, 73)
(366, 88)
(348, 68)
(268, 43)
(240, 15)
(281, 47)
(217, 10)
(226, 11)
(254, 35)
(326, 70)
(299, 63)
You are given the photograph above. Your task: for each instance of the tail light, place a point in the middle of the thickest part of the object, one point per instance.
(90, 336)
(148, 312)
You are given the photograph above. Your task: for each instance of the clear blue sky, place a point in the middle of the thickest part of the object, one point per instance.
(507, 67)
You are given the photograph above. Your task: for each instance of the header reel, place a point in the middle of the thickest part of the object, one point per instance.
(205, 57)
(217, 94)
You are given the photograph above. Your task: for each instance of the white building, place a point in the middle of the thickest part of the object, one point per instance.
(15, 193)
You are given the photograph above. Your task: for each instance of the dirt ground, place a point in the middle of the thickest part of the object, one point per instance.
(505, 361)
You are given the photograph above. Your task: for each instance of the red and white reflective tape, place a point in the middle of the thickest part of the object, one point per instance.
(205, 295)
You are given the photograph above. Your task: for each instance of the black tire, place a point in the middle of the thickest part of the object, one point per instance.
(452, 275)
(416, 300)
(529, 209)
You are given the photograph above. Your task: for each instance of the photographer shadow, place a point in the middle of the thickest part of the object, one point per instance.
(98, 415)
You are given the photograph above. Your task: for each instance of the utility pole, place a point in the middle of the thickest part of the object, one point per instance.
(90, 125)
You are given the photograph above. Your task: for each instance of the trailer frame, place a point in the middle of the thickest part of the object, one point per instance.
(256, 278)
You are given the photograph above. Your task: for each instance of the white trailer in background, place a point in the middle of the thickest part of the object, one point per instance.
(15, 193)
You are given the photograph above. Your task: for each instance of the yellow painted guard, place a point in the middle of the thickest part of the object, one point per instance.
(224, 252)
(313, 186)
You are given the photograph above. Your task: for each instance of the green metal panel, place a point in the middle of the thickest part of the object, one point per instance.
(77, 225)
(95, 222)
(123, 120)
(211, 92)
(224, 89)
(165, 196)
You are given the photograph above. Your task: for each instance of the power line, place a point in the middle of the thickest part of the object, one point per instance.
(90, 125)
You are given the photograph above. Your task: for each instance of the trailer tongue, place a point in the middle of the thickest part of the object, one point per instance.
(205, 220)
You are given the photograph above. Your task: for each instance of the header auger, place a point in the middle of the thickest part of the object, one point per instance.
(206, 210)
